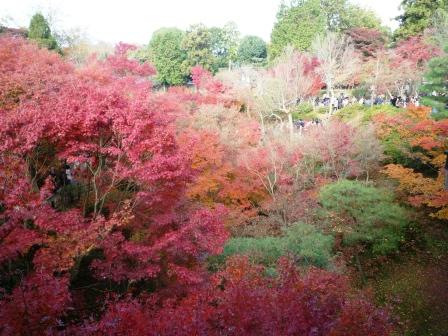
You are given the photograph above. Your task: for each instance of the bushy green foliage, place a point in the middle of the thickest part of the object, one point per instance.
(252, 49)
(198, 43)
(301, 21)
(39, 31)
(417, 16)
(354, 16)
(394, 149)
(165, 52)
(436, 81)
(365, 113)
(297, 26)
(304, 111)
(224, 44)
(369, 215)
(265, 250)
(211, 48)
(305, 242)
(309, 244)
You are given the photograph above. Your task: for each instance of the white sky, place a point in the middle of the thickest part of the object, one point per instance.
(134, 21)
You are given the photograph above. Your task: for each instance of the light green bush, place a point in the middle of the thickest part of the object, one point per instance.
(365, 113)
(370, 215)
(306, 243)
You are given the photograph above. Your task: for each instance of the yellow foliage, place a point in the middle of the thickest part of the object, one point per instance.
(422, 190)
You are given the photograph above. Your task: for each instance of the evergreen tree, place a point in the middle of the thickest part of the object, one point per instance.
(198, 44)
(297, 25)
(437, 85)
(39, 30)
(165, 52)
(369, 215)
(417, 16)
(224, 44)
(252, 49)
(300, 22)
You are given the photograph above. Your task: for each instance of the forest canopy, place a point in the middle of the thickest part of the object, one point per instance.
(213, 183)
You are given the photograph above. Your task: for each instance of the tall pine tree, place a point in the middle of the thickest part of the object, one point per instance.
(417, 16)
(40, 31)
(437, 85)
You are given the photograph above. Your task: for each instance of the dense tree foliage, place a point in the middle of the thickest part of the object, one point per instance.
(417, 16)
(241, 301)
(368, 215)
(367, 41)
(435, 86)
(140, 194)
(166, 53)
(211, 48)
(174, 52)
(198, 43)
(297, 26)
(224, 45)
(128, 169)
(342, 15)
(304, 242)
(252, 49)
(301, 21)
(416, 145)
(39, 30)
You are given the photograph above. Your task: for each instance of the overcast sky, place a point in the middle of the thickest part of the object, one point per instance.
(134, 21)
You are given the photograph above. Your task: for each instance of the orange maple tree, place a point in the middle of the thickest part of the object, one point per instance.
(423, 141)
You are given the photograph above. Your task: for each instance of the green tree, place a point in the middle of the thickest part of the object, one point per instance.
(369, 215)
(302, 20)
(198, 45)
(166, 53)
(297, 25)
(224, 44)
(417, 16)
(342, 15)
(39, 30)
(354, 16)
(252, 49)
(437, 85)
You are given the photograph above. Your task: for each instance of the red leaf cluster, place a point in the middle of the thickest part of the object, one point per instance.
(241, 301)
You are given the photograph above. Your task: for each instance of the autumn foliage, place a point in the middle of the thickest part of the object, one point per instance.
(241, 301)
(113, 196)
(129, 179)
(421, 142)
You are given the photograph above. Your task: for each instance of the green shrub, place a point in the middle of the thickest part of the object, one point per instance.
(39, 31)
(265, 250)
(438, 115)
(302, 109)
(361, 91)
(365, 113)
(369, 214)
(306, 111)
(306, 243)
(395, 148)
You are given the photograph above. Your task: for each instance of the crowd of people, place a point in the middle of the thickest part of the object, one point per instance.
(301, 124)
(343, 100)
